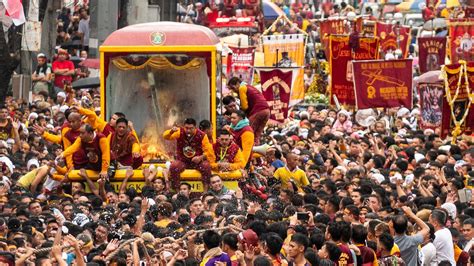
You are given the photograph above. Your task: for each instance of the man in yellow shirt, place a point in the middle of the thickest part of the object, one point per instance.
(92, 149)
(291, 175)
(193, 151)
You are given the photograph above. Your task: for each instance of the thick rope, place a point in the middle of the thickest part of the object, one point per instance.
(36, 251)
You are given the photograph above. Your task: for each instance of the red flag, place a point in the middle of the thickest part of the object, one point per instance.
(389, 40)
(460, 46)
(276, 88)
(381, 83)
(340, 60)
(14, 9)
(432, 52)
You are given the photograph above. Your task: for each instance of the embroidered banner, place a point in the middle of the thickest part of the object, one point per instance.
(340, 59)
(287, 51)
(458, 110)
(276, 88)
(382, 83)
(431, 105)
(432, 52)
(461, 32)
(393, 37)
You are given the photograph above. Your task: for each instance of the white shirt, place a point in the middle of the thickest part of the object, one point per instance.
(444, 246)
(429, 255)
(468, 246)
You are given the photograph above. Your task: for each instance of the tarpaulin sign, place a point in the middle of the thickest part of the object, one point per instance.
(276, 88)
(461, 32)
(340, 59)
(381, 83)
(241, 63)
(431, 105)
(432, 52)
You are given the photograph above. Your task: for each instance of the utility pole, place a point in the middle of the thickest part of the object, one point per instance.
(49, 30)
(103, 21)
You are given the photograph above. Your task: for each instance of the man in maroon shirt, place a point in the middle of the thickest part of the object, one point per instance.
(254, 105)
(63, 70)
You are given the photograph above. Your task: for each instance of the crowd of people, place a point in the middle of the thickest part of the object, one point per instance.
(320, 189)
(326, 191)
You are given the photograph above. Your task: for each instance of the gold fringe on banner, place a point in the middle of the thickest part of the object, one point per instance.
(451, 99)
(158, 62)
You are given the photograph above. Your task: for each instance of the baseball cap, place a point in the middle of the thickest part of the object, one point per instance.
(41, 55)
(248, 237)
(61, 94)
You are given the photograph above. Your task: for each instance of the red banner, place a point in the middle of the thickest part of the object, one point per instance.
(389, 41)
(381, 83)
(432, 52)
(340, 60)
(461, 32)
(331, 27)
(241, 64)
(431, 105)
(457, 102)
(276, 88)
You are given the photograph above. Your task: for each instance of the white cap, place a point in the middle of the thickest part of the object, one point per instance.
(402, 112)
(63, 108)
(41, 55)
(451, 208)
(445, 148)
(419, 157)
(428, 131)
(33, 115)
(61, 94)
(32, 162)
(378, 177)
(8, 163)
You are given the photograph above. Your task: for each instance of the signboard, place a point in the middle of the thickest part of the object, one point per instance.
(196, 186)
(241, 63)
(381, 83)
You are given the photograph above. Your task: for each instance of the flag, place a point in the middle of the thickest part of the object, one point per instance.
(15, 10)
(432, 52)
(383, 83)
(431, 105)
(241, 63)
(461, 32)
(276, 88)
(340, 59)
(293, 45)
